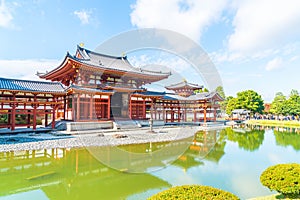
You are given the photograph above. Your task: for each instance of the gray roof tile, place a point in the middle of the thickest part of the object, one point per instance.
(30, 86)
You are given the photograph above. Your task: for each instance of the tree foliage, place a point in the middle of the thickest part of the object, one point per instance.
(230, 104)
(248, 99)
(283, 178)
(277, 106)
(193, 192)
(221, 92)
(283, 106)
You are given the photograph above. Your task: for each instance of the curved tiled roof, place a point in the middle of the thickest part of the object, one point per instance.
(112, 62)
(184, 84)
(31, 86)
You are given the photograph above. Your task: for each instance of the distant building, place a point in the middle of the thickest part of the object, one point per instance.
(240, 113)
(267, 107)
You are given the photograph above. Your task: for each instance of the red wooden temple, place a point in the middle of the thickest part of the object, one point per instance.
(90, 86)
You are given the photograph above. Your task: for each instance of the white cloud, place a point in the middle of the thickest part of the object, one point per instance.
(188, 17)
(26, 69)
(83, 15)
(5, 15)
(264, 24)
(274, 64)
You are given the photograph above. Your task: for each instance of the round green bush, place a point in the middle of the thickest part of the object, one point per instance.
(283, 178)
(193, 192)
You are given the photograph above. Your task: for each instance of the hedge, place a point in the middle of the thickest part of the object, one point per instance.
(193, 192)
(283, 178)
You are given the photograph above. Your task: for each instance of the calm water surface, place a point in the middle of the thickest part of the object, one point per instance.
(230, 159)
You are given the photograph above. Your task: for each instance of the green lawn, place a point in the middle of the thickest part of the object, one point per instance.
(295, 124)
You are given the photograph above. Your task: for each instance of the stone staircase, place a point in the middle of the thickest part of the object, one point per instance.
(126, 124)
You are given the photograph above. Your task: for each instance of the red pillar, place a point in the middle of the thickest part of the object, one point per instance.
(164, 111)
(65, 107)
(13, 113)
(78, 108)
(144, 108)
(155, 110)
(53, 113)
(108, 107)
(28, 119)
(91, 106)
(130, 107)
(151, 109)
(178, 112)
(34, 112)
(73, 108)
(172, 115)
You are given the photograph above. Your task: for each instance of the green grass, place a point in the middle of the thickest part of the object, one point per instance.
(293, 124)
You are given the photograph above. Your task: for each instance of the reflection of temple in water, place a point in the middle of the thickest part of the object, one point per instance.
(206, 146)
(75, 174)
(68, 174)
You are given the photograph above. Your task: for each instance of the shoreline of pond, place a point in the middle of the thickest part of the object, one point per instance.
(275, 123)
(100, 138)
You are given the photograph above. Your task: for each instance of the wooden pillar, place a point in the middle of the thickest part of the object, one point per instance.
(85, 107)
(151, 109)
(164, 111)
(185, 113)
(172, 115)
(130, 108)
(13, 113)
(178, 112)
(73, 108)
(28, 119)
(53, 113)
(65, 107)
(34, 112)
(91, 106)
(108, 107)
(78, 108)
(155, 110)
(144, 108)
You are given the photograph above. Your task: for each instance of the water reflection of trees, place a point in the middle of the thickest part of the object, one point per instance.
(249, 140)
(287, 138)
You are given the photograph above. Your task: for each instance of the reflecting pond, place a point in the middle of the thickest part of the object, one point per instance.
(230, 159)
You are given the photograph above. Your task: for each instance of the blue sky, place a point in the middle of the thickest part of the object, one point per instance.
(254, 44)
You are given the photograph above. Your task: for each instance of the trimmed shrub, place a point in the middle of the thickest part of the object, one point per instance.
(283, 178)
(193, 192)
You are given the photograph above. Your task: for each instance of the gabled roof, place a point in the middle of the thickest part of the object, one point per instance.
(184, 84)
(30, 86)
(88, 59)
(174, 97)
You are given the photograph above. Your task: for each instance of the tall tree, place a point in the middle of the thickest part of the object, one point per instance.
(250, 100)
(278, 104)
(292, 104)
(221, 92)
(231, 105)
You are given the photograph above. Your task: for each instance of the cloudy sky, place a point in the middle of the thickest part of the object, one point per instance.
(254, 44)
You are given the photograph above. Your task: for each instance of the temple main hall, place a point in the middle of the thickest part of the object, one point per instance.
(92, 87)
